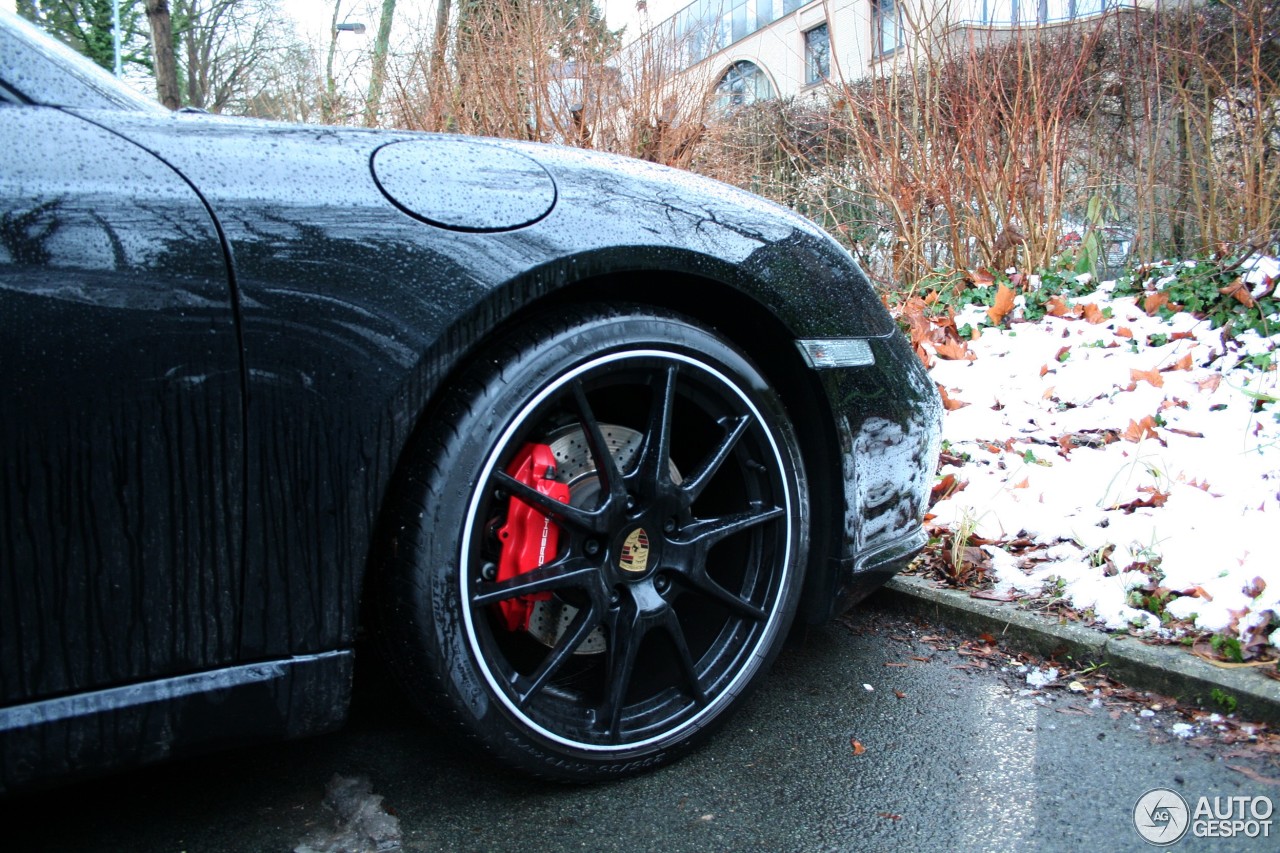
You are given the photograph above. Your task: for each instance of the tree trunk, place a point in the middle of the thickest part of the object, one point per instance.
(441, 39)
(162, 47)
(379, 63)
(436, 75)
(328, 101)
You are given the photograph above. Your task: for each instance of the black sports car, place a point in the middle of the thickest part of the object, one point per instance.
(574, 437)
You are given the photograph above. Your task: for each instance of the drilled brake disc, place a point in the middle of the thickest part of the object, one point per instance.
(576, 469)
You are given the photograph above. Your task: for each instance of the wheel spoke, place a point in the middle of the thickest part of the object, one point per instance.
(561, 574)
(579, 629)
(626, 630)
(705, 584)
(606, 465)
(588, 522)
(672, 624)
(709, 531)
(698, 480)
(654, 466)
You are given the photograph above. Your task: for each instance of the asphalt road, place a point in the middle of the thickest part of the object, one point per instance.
(954, 759)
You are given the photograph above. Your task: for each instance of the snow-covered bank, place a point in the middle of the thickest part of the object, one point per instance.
(1132, 452)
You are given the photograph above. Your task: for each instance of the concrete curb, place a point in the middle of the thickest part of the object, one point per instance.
(1168, 670)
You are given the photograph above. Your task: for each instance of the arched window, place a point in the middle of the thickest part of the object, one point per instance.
(744, 83)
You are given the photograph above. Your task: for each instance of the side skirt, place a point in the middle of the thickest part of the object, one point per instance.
(83, 735)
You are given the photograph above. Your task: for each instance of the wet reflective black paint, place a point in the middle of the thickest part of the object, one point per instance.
(216, 336)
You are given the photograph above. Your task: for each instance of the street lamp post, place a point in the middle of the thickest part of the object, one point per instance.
(331, 87)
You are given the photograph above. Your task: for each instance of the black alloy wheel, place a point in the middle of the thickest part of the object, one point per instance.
(651, 481)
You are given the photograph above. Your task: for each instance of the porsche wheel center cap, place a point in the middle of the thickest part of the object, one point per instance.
(633, 557)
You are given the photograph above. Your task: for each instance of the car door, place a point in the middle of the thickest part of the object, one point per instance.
(121, 426)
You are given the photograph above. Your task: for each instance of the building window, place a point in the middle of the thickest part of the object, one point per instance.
(744, 83)
(1032, 12)
(887, 21)
(705, 27)
(817, 54)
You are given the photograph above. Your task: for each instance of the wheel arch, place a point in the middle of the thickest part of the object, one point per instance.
(756, 331)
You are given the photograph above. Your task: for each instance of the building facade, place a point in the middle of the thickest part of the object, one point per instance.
(751, 49)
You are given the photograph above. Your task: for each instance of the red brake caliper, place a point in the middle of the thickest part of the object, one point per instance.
(529, 539)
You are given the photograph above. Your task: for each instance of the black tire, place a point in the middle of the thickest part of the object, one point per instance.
(637, 656)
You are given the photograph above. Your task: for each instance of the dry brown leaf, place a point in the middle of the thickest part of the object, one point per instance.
(1151, 376)
(1157, 499)
(1138, 430)
(1057, 307)
(1024, 484)
(1254, 775)
(1003, 304)
(946, 487)
(1210, 382)
(953, 350)
(858, 748)
(1093, 314)
(1239, 291)
(1124, 332)
(1154, 302)
(948, 402)
(918, 324)
(982, 277)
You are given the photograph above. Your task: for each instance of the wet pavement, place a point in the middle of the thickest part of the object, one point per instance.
(877, 733)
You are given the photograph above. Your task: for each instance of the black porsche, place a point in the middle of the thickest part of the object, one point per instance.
(572, 438)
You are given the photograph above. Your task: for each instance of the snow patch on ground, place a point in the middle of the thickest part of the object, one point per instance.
(1192, 503)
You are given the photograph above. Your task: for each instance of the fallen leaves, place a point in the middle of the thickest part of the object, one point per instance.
(1152, 377)
(1139, 430)
(1156, 498)
(936, 335)
(858, 748)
